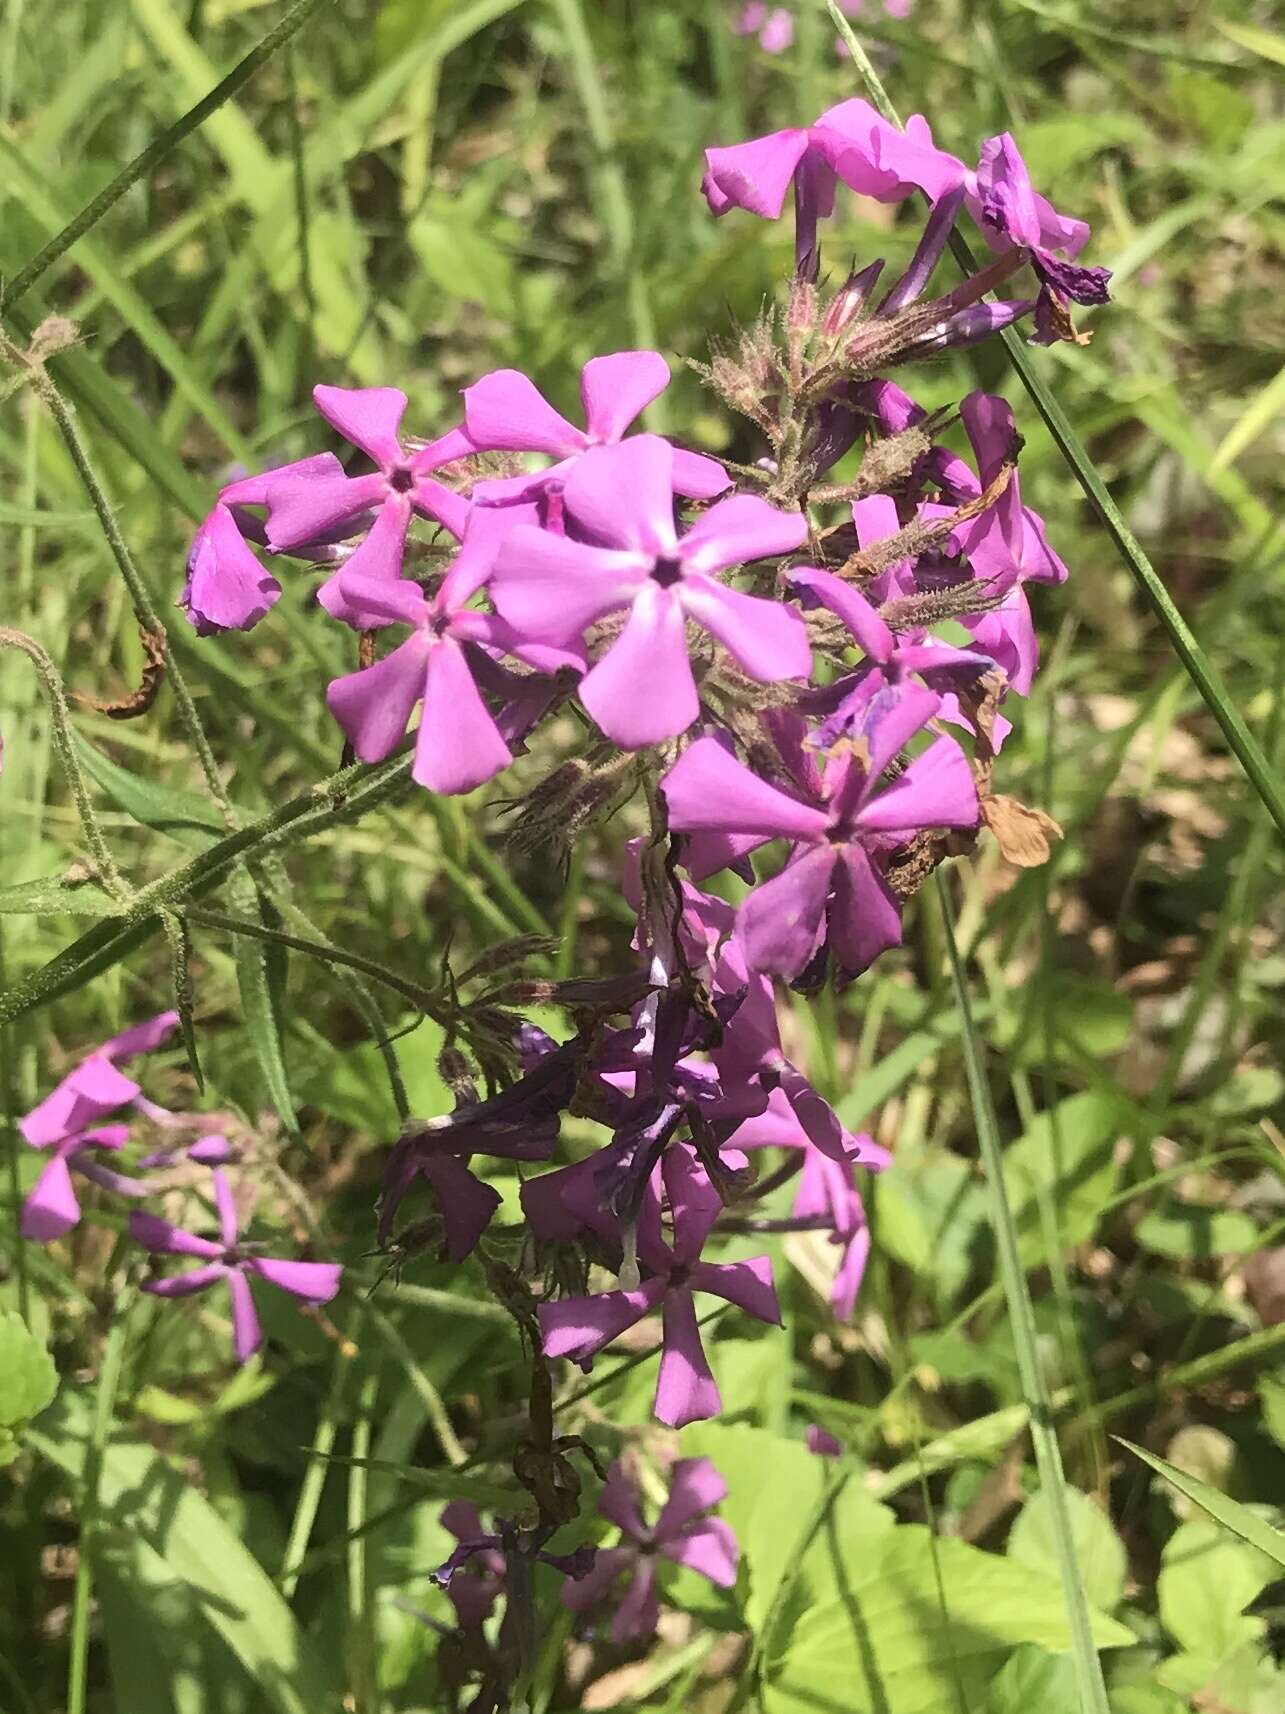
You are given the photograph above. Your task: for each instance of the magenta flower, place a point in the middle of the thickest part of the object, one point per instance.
(552, 587)
(227, 589)
(850, 142)
(774, 28)
(1008, 540)
(506, 412)
(472, 1596)
(96, 1087)
(823, 1443)
(686, 1390)
(228, 1259)
(1009, 210)
(304, 506)
(51, 1208)
(832, 890)
(683, 1533)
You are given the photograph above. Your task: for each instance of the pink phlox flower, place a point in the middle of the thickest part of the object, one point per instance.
(51, 1208)
(506, 412)
(832, 891)
(227, 589)
(578, 1328)
(642, 690)
(827, 1192)
(684, 1533)
(95, 1087)
(228, 1259)
(304, 506)
(474, 1594)
(850, 142)
(520, 1123)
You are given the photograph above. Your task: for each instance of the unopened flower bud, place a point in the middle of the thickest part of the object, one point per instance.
(849, 301)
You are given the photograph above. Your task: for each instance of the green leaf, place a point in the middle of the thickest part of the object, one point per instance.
(1261, 42)
(1238, 1518)
(145, 1499)
(56, 895)
(1193, 1233)
(1271, 1395)
(185, 816)
(1032, 1681)
(28, 1381)
(1068, 1159)
(878, 1639)
(1099, 1552)
(1207, 1579)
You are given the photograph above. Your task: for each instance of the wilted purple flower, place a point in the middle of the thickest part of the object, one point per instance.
(551, 587)
(682, 1533)
(228, 1259)
(823, 1443)
(850, 142)
(1009, 210)
(506, 412)
(305, 506)
(832, 885)
(580, 1327)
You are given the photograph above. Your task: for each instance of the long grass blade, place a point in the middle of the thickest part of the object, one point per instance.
(1048, 1455)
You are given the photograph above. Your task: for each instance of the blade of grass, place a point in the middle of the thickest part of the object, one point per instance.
(1048, 1455)
(1231, 1514)
(1240, 740)
(157, 150)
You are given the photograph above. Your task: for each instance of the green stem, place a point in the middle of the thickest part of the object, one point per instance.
(1048, 1455)
(157, 150)
(60, 729)
(1200, 669)
(361, 1639)
(8, 1112)
(104, 1404)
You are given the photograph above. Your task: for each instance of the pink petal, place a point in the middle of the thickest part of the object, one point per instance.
(738, 531)
(226, 589)
(51, 1207)
(708, 790)
(116, 1182)
(780, 922)
(693, 1201)
(487, 527)
(506, 412)
(624, 495)
(253, 490)
(377, 561)
(1007, 634)
(369, 417)
(187, 1284)
(769, 640)
(89, 1092)
(442, 504)
(775, 1128)
(316, 1282)
(381, 601)
(847, 1282)
(686, 1390)
(619, 1502)
(303, 509)
(551, 588)
(466, 1203)
(865, 917)
(936, 790)
(697, 476)
(695, 1486)
(850, 605)
(618, 388)
(639, 1612)
(579, 1594)
(226, 1208)
(106, 1137)
(459, 745)
(448, 448)
(247, 1334)
(893, 721)
(753, 175)
(374, 705)
(140, 1038)
(578, 1327)
(709, 1548)
(642, 690)
(747, 1284)
(162, 1239)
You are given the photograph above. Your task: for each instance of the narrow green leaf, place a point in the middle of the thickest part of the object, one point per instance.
(1231, 1514)
(258, 1009)
(1261, 42)
(185, 816)
(57, 895)
(144, 1497)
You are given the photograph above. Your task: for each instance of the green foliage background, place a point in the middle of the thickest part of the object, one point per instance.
(412, 192)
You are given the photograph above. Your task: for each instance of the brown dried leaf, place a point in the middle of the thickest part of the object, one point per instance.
(1024, 834)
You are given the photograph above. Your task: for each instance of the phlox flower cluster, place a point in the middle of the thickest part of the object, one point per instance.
(88, 1116)
(756, 646)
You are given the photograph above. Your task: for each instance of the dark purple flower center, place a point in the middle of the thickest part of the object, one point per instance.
(667, 571)
(401, 479)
